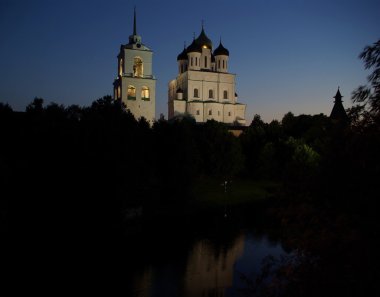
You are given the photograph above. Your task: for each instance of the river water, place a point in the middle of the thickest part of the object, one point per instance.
(210, 262)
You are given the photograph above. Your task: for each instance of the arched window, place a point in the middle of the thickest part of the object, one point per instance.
(218, 63)
(210, 112)
(196, 93)
(198, 113)
(229, 113)
(145, 93)
(205, 62)
(211, 94)
(121, 67)
(118, 92)
(131, 93)
(138, 70)
(225, 95)
(196, 61)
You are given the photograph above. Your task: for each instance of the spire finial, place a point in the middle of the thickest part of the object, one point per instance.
(220, 39)
(134, 21)
(203, 23)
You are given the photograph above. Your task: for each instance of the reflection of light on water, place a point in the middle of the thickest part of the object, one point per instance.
(208, 274)
(208, 271)
(143, 284)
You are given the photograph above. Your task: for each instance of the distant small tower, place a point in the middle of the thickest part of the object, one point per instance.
(135, 84)
(338, 113)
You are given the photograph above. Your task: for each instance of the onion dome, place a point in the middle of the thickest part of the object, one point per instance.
(194, 47)
(182, 55)
(221, 50)
(203, 40)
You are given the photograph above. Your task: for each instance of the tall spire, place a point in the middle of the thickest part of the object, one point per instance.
(134, 22)
(338, 97)
(134, 38)
(338, 113)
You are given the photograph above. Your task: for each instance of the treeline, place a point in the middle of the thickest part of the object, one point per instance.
(72, 163)
(102, 155)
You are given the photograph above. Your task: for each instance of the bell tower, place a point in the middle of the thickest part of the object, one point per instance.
(135, 84)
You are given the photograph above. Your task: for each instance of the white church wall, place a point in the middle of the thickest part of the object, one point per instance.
(196, 110)
(229, 113)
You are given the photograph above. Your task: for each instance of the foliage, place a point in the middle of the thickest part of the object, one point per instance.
(369, 95)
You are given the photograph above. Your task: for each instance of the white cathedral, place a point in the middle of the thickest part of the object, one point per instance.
(203, 87)
(135, 84)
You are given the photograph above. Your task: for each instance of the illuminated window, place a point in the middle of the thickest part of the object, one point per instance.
(145, 93)
(225, 95)
(137, 67)
(196, 93)
(121, 67)
(131, 93)
(211, 94)
(118, 92)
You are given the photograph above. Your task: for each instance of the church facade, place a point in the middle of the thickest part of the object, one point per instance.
(203, 87)
(135, 84)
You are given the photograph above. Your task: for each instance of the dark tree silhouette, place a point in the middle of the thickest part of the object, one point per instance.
(369, 95)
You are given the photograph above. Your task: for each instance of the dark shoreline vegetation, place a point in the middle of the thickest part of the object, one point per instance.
(92, 178)
(74, 172)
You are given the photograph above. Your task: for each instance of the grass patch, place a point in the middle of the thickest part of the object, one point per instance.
(210, 192)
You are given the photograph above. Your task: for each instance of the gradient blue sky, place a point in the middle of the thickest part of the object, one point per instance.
(287, 55)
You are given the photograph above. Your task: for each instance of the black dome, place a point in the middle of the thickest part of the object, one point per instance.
(182, 55)
(221, 50)
(203, 40)
(194, 47)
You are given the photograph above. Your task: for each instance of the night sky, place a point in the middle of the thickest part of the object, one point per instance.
(288, 55)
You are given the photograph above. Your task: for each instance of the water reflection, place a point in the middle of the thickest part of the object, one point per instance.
(210, 272)
(206, 268)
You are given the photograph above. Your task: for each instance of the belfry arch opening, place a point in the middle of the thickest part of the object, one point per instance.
(131, 92)
(138, 70)
(145, 93)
